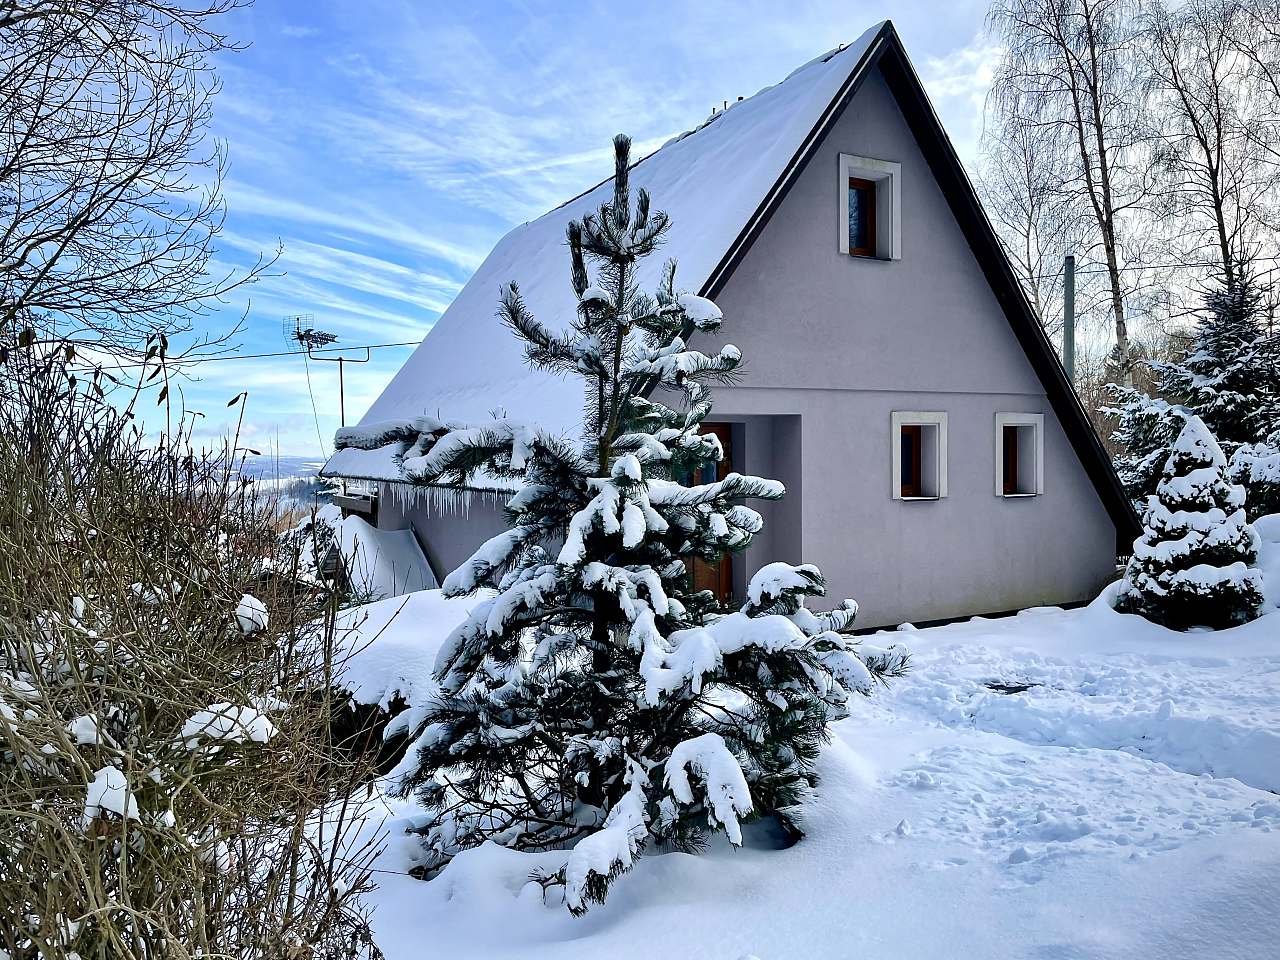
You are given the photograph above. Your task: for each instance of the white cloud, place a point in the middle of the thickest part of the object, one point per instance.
(958, 83)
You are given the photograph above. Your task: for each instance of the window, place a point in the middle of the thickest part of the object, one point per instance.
(870, 208)
(1019, 454)
(862, 217)
(919, 455)
(909, 456)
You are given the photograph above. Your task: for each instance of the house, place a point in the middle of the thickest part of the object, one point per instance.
(937, 461)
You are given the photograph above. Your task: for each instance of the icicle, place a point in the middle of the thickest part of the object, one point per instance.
(438, 501)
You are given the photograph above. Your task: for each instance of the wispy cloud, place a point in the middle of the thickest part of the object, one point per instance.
(363, 220)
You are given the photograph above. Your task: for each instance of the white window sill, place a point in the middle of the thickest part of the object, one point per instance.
(1017, 496)
(919, 499)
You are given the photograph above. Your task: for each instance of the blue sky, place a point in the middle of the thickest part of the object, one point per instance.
(388, 145)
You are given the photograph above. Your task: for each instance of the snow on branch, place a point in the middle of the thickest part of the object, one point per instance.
(673, 364)
(108, 794)
(725, 790)
(491, 558)
(370, 436)
(780, 588)
(226, 723)
(701, 312)
(462, 451)
(689, 655)
(251, 614)
(611, 850)
(621, 505)
(664, 493)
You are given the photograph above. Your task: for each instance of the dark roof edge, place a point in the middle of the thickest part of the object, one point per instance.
(888, 52)
(808, 147)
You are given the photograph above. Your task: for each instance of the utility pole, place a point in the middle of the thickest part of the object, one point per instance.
(342, 362)
(1069, 317)
(342, 395)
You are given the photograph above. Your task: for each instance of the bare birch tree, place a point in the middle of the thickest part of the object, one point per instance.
(1023, 181)
(1070, 70)
(1215, 139)
(110, 187)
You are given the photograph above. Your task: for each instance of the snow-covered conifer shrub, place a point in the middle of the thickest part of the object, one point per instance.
(1228, 376)
(165, 700)
(596, 703)
(1194, 564)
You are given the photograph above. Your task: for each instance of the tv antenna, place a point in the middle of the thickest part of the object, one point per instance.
(302, 334)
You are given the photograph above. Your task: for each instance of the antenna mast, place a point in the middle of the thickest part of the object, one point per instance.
(301, 333)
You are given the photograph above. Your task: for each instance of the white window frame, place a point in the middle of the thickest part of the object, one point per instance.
(924, 418)
(887, 176)
(1034, 420)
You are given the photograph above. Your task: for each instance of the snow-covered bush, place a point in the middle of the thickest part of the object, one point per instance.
(1228, 376)
(165, 701)
(1195, 563)
(597, 702)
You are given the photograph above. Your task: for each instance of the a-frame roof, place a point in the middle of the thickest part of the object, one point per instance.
(720, 184)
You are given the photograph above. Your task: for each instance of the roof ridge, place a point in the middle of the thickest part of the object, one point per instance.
(822, 58)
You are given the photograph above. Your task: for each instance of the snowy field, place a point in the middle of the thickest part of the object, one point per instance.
(1124, 804)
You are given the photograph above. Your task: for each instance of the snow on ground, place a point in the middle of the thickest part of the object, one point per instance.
(378, 563)
(389, 646)
(382, 563)
(1124, 804)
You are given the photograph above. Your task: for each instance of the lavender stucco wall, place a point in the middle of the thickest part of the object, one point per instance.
(448, 529)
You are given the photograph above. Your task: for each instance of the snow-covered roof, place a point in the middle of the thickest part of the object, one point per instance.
(710, 181)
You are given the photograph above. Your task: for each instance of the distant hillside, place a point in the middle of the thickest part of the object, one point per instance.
(272, 467)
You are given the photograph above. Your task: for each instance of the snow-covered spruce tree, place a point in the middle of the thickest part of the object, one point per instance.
(1256, 467)
(1194, 563)
(1229, 376)
(595, 702)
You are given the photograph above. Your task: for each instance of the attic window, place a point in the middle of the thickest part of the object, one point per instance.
(919, 455)
(870, 207)
(1019, 454)
(862, 217)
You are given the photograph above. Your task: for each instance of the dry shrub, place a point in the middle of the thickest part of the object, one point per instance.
(226, 828)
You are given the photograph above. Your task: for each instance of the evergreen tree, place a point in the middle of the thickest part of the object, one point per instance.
(595, 701)
(1229, 377)
(1256, 467)
(1194, 563)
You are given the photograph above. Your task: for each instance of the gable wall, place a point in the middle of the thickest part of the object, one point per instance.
(842, 342)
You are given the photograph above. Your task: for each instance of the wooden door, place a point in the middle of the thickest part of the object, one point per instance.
(716, 577)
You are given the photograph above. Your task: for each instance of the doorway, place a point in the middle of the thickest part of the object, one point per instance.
(718, 576)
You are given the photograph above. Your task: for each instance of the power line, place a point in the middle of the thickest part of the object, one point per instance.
(185, 361)
(315, 413)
